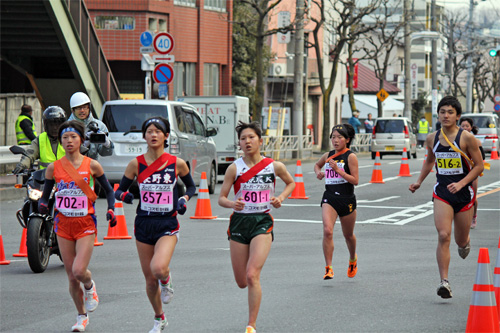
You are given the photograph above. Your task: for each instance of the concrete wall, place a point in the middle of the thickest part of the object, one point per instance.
(10, 108)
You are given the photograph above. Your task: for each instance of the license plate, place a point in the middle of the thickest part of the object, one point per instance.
(133, 149)
(389, 147)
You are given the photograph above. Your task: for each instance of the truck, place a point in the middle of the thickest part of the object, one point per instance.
(222, 113)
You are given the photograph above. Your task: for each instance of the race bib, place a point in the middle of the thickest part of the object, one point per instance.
(157, 198)
(449, 163)
(257, 197)
(72, 202)
(332, 177)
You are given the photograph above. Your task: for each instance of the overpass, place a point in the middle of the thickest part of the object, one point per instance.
(53, 43)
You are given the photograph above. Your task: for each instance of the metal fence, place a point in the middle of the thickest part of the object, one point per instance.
(287, 146)
(361, 142)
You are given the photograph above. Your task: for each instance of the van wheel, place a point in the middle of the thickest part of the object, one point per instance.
(373, 155)
(414, 155)
(409, 155)
(212, 179)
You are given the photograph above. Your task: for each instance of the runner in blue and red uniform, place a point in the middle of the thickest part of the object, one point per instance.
(156, 226)
(453, 194)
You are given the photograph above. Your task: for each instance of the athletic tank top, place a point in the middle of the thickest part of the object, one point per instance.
(70, 199)
(451, 167)
(334, 183)
(158, 192)
(257, 191)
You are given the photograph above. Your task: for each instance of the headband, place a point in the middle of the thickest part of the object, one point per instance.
(156, 121)
(338, 127)
(70, 129)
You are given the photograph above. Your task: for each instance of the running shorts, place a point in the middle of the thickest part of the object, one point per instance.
(74, 228)
(343, 205)
(149, 229)
(461, 201)
(244, 227)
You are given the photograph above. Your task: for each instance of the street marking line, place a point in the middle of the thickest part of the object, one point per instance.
(489, 192)
(381, 199)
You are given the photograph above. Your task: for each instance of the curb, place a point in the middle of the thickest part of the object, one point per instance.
(12, 193)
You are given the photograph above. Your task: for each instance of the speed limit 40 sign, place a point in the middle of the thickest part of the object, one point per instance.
(163, 43)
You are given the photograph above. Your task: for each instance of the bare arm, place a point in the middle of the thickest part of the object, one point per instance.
(131, 170)
(282, 172)
(319, 165)
(226, 187)
(427, 166)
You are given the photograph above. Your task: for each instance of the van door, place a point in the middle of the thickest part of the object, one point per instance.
(202, 146)
(187, 141)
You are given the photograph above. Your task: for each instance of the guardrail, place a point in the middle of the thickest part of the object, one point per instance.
(361, 142)
(6, 157)
(284, 146)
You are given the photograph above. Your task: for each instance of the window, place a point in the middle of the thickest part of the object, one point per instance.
(179, 117)
(198, 125)
(188, 122)
(189, 3)
(184, 79)
(152, 24)
(211, 80)
(115, 22)
(218, 5)
(162, 25)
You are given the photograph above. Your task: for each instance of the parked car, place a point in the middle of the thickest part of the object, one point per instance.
(189, 139)
(391, 134)
(487, 124)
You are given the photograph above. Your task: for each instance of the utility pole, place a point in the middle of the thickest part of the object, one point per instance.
(298, 84)
(469, 59)
(434, 65)
(407, 59)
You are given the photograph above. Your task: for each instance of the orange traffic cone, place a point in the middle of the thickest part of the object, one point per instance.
(425, 158)
(496, 279)
(23, 250)
(3, 260)
(96, 241)
(404, 169)
(203, 208)
(119, 231)
(299, 192)
(377, 171)
(494, 152)
(483, 313)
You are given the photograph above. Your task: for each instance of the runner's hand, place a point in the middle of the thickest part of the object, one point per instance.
(414, 187)
(239, 204)
(181, 205)
(111, 218)
(42, 207)
(127, 197)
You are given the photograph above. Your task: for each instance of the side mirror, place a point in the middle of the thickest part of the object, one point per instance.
(211, 131)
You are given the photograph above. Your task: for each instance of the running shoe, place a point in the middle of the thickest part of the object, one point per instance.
(474, 222)
(250, 329)
(329, 273)
(444, 289)
(464, 251)
(91, 298)
(160, 324)
(81, 323)
(353, 267)
(167, 291)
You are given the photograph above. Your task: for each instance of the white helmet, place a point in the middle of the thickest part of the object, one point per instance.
(78, 99)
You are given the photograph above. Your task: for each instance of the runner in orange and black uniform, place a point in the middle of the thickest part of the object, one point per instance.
(156, 226)
(75, 221)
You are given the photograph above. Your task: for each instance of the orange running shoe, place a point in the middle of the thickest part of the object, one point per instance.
(329, 273)
(353, 267)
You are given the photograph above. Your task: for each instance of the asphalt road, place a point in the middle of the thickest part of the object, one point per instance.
(394, 290)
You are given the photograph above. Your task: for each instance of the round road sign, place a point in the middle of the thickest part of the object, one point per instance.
(163, 43)
(496, 98)
(163, 73)
(146, 38)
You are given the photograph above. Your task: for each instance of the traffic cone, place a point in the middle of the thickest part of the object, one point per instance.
(494, 152)
(377, 171)
(425, 159)
(96, 241)
(299, 192)
(483, 313)
(203, 208)
(3, 260)
(23, 250)
(496, 279)
(404, 169)
(119, 231)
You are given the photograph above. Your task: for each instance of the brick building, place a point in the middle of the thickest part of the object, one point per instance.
(202, 34)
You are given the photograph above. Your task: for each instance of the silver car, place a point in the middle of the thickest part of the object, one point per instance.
(488, 129)
(189, 139)
(391, 134)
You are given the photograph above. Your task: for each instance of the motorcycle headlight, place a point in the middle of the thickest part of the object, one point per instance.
(34, 194)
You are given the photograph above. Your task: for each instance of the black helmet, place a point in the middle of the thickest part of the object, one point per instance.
(53, 117)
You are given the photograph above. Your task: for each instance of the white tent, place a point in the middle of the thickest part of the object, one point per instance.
(368, 104)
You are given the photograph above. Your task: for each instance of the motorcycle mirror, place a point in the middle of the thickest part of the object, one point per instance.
(17, 150)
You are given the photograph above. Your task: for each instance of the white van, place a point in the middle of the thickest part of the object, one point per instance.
(487, 124)
(391, 135)
(189, 138)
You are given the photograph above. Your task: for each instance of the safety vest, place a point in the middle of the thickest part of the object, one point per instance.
(46, 154)
(20, 136)
(423, 127)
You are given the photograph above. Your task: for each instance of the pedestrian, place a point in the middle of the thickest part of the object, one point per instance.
(423, 130)
(156, 227)
(341, 175)
(369, 124)
(25, 127)
(467, 124)
(80, 110)
(354, 121)
(453, 195)
(250, 231)
(74, 218)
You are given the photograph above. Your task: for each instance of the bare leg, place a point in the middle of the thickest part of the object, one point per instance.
(329, 217)
(347, 223)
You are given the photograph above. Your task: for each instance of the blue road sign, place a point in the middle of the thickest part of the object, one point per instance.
(163, 73)
(497, 107)
(163, 90)
(146, 38)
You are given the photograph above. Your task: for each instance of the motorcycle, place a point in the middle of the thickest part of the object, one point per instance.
(41, 240)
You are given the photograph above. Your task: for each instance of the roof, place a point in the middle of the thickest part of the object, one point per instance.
(368, 83)
(368, 104)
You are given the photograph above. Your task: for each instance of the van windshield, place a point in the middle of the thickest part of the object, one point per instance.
(390, 126)
(123, 118)
(483, 122)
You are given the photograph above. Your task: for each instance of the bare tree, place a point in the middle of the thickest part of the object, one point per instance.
(455, 32)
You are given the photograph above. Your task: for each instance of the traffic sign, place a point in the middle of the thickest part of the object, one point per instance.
(163, 43)
(382, 95)
(497, 107)
(163, 90)
(146, 38)
(496, 98)
(163, 73)
(164, 58)
(146, 49)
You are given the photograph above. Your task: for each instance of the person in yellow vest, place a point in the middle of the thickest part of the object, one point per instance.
(25, 127)
(423, 130)
(46, 146)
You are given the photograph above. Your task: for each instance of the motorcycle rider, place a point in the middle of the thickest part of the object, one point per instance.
(45, 147)
(80, 110)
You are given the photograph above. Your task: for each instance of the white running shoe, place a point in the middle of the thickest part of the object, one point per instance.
(160, 324)
(444, 289)
(81, 323)
(167, 291)
(91, 298)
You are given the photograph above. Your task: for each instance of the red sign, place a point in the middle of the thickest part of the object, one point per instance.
(163, 43)
(355, 76)
(163, 73)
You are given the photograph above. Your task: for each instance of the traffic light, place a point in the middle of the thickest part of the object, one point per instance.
(440, 61)
(493, 52)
